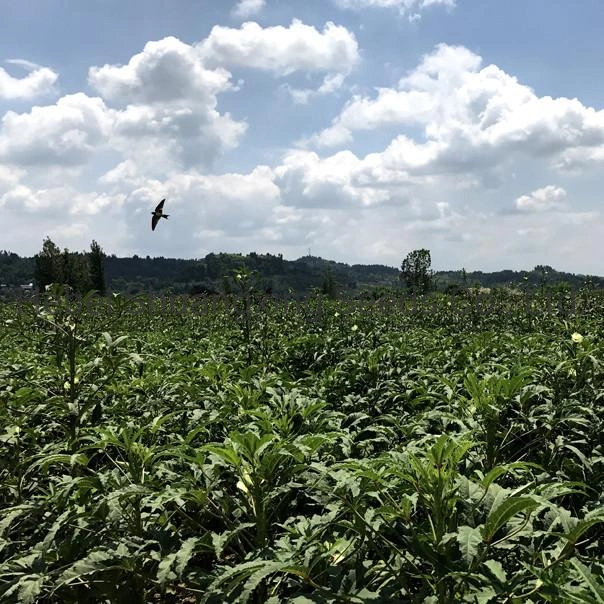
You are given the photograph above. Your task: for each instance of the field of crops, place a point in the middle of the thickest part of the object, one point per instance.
(326, 453)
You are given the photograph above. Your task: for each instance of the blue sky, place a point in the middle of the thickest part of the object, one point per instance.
(361, 129)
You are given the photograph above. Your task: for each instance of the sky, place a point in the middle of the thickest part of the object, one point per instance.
(357, 129)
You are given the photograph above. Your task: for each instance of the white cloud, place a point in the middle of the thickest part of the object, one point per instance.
(22, 197)
(60, 201)
(300, 47)
(203, 209)
(542, 200)
(92, 203)
(448, 221)
(165, 137)
(9, 177)
(411, 8)
(39, 81)
(166, 70)
(169, 91)
(464, 141)
(246, 8)
(67, 133)
(74, 232)
(171, 115)
(331, 84)
(471, 117)
(307, 181)
(164, 100)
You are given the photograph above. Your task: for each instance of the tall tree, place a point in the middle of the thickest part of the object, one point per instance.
(76, 271)
(48, 267)
(97, 271)
(416, 272)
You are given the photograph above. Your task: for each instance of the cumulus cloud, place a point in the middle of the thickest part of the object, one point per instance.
(39, 81)
(308, 181)
(458, 133)
(66, 133)
(542, 200)
(471, 116)
(162, 104)
(457, 127)
(448, 220)
(168, 101)
(168, 94)
(281, 209)
(166, 70)
(246, 8)
(60, 201)
(204, 208)
(300, 47)
(22, 197)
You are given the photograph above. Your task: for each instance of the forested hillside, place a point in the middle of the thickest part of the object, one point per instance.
(136, 274)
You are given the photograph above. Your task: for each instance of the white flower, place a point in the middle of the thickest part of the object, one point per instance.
(354, 327)
(242, 487)
(577, 338)
(245, 482)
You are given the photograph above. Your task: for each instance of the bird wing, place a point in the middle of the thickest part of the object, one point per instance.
(160, 206)
(154, 221)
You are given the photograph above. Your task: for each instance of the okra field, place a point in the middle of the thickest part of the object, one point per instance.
(325, 452)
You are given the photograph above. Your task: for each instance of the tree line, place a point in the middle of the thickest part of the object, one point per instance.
(81, 271)
(206, 275)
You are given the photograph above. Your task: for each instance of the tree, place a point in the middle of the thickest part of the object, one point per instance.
(95, 263)
(79, 270)
(48, 267)
(76, 271)
(416, 272)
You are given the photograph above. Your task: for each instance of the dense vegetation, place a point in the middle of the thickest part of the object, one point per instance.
(139, 274)
(440, 452)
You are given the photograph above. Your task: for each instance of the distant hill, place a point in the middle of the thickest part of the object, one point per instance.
(207, 274)
(139, 274)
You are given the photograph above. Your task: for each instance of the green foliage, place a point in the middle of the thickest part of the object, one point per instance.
(48, 265)
(205, 275)
(258, 453)
(81, 272)
(416, 273)
(97, 271)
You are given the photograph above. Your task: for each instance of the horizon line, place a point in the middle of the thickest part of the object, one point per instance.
(147, 257)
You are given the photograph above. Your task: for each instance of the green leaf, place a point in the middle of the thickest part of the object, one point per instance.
(220, 541)
(575, 534)
(503, 513)
(484, 596)
(177, 560)
(257, 577)
(28, 589)
(469, 538)
(95, 561)
(596, 588)
(496, 569)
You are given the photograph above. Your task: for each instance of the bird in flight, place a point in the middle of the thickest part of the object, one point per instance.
(157, 214)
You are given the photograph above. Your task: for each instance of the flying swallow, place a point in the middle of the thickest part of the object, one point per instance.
(157, 214)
